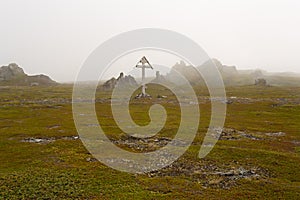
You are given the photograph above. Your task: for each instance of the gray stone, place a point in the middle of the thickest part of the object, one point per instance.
(10, 72)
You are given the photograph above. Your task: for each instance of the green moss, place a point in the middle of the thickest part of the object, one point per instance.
(59, 170)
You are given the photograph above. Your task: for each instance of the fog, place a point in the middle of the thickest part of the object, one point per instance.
(55, 37)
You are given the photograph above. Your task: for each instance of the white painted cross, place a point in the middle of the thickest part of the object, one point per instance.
(143, 63)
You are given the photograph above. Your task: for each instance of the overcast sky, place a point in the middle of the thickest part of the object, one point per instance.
(55, 37)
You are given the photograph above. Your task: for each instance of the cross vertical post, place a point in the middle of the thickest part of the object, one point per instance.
(143, 81)
(143, 64)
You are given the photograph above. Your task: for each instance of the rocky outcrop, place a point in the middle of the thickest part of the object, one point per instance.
(12, 71)
(124, 81)
(187, 71)
(261, 82)
(224, 69)
(110, 84)
(15, 75)
(230, 75)
(159, 78)
(193, 75)
(39, 80)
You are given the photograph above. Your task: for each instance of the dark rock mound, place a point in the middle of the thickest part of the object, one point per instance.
(15, 75)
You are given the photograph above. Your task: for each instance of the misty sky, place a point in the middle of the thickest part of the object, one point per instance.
(55, 37)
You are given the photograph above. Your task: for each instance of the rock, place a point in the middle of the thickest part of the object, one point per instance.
(125, 81)
(14, 75)
(48, 140)
(187, 71)
(91, 160)
(239, 173)
(159, 78)
(54, 127)
(221, 99)
(37, 80)
(70, 137)
(110, 84)
(39, 140)
(141, 95)
(215, 181)
(10, 72)
(276, 134)
(34, 84)
(161, 96)
(122, 81)
(224, 69)
(232, 134)
(261, 82)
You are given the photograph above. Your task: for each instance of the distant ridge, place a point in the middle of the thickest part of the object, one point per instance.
(15, 76)
(232, 76)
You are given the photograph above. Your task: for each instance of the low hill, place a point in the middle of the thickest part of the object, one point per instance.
(15, 75)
